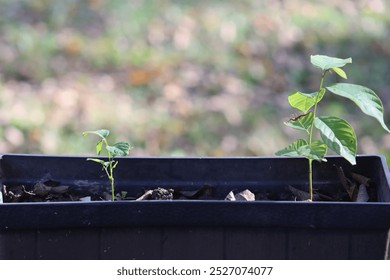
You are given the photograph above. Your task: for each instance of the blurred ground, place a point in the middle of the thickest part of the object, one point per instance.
(198, 78)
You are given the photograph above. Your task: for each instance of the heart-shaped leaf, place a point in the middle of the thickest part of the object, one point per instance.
(338, 135)
(292, 149)
(119, 149)
(102, 133)
(326, 62)
(302, 122)
(304, 101)
(315, 151)
(364, 98)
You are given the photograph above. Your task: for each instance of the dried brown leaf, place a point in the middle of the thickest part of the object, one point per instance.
(230, 196)
(245, 195)
(302, 195)
(362, 195)
(360, 179)
(349, 186)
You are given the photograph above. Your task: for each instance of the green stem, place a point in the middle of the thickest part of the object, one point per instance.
(315, 107)
(311, 179)
(111, 177)
(110, 172)
(112, 182)
(311, 137)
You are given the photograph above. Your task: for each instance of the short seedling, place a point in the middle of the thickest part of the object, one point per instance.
(336, 133)
(118, 149)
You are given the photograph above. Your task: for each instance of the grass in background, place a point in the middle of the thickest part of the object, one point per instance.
(178, 77)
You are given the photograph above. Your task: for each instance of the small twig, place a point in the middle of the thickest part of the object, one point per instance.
(362, 180)
(146, 195)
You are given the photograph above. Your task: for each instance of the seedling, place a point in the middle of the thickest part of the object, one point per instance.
(118, 149)
(336, 133)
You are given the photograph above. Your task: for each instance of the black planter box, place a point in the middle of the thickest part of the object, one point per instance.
(193, 229)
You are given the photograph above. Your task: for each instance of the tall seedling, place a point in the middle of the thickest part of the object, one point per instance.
(336, 133)
(118, 149)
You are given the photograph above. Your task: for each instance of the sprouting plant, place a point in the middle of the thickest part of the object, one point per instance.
(118, 149)
(336, 133)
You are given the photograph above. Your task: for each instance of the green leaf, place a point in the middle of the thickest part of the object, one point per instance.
(326, 62)
(340, 72)
(338, 135)
(315, 151)
(292, 149)
(102, 133)
(302, 122)
(99, 147)
(364, 98)
(300, 101)
(318, 150)
(119, 149)
(102, 162)
(304, 101)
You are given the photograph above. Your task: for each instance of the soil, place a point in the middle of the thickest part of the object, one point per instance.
(357, 188)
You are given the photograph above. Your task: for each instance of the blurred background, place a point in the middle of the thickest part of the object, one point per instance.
(175, 78)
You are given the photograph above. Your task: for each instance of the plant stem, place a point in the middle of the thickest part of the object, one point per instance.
(110, 172)
(111, 177)
(315, 107)
(311, 137)
(311, 179)
(112, 182)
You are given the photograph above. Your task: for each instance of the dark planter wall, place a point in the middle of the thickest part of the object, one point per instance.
(193, 229)
(193, 243)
